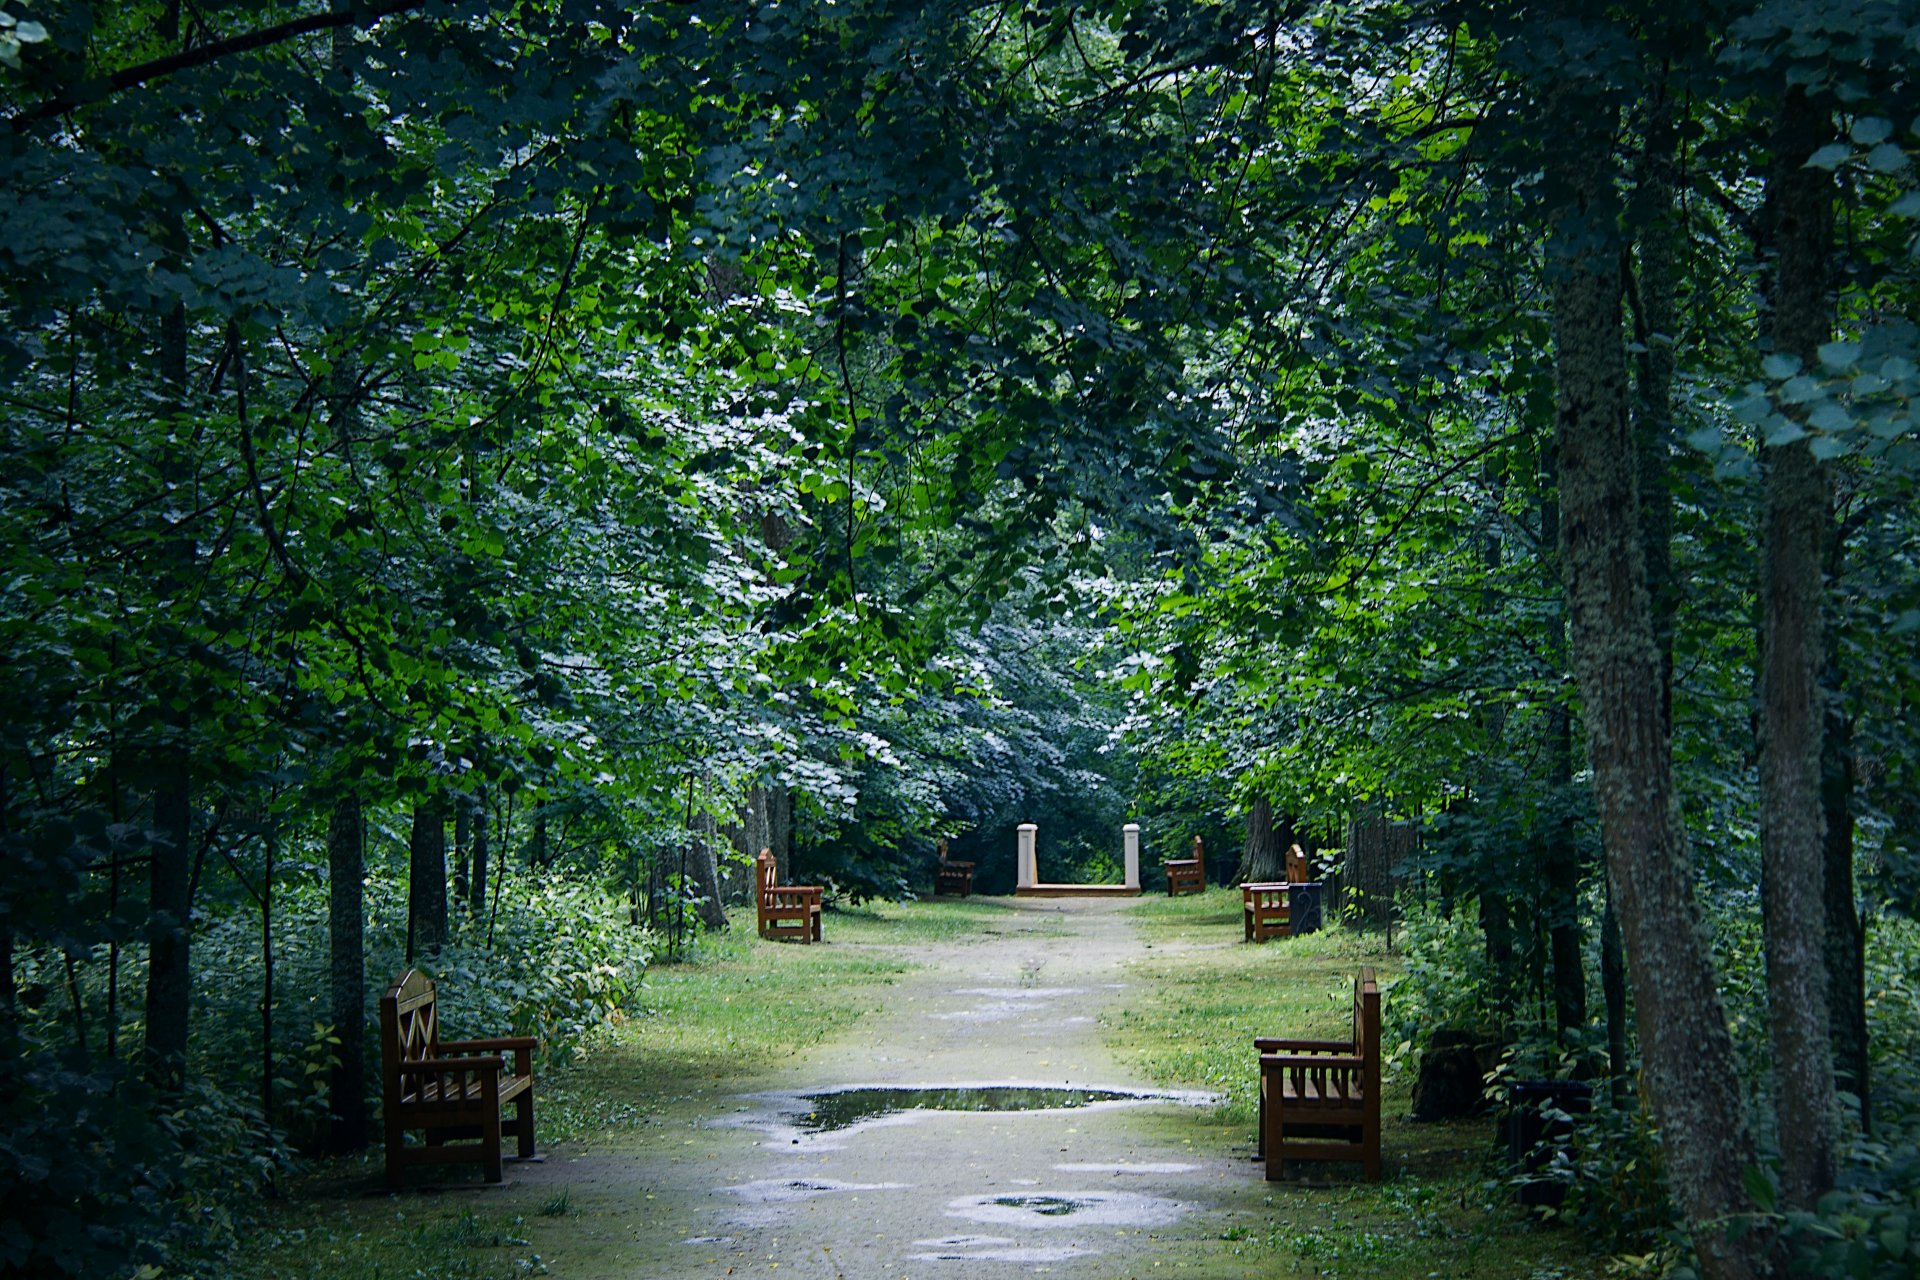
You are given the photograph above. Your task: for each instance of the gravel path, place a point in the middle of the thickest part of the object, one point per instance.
(1110, 1190)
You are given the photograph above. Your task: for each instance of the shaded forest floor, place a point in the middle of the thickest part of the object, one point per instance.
(670, 1150)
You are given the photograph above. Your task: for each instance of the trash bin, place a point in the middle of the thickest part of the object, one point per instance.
(1541, 1115)
(1303, 907)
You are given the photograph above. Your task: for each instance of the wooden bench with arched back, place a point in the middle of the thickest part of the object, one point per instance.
(448, 1089)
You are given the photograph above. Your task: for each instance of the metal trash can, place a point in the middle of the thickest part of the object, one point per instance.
(1303, 907)
(1540, 1118)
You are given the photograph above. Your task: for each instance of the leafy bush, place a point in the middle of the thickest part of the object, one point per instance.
(1445, 980)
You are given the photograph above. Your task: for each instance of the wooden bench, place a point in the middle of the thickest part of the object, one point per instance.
(1265, 911)
(952, 878)
(1188, 875)
(1266, 908)
(786, 910)
(1297, 866)
(448, 1088)
(1320, 1099)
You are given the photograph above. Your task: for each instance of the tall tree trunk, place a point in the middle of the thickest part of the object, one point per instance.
(477, 903)
(462, 849)
(427, 881)
(1688, 1052)
(169, 875)
(9, 989)
(704, 873)
(1794, 502)
(1262, 859)
(346, 934)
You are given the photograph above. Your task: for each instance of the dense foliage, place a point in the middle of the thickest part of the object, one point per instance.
(632, 436)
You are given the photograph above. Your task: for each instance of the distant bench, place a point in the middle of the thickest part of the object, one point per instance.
(785, 910)
(952, 878)
(1320, 1099)
(1188, 875)
(1276, 909)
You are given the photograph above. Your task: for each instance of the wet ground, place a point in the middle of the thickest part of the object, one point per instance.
(975, 1127)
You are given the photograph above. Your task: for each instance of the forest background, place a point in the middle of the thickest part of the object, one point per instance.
(624, 437)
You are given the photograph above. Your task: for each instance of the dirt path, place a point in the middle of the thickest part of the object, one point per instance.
(1119, 1189)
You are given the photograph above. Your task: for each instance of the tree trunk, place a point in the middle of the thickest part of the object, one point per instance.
(170, 879)
(704, 874)
(477, 903)
(1794, 501)
(427, 882)
(1263, 859)
(1689, 1063)
(346, 934)
(462, 850)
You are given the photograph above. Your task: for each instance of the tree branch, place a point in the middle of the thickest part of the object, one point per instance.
(89, 92)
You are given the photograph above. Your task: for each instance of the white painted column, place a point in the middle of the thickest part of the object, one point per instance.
(1027, 863)
(1131, 835)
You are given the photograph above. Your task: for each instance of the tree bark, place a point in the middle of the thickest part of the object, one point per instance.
(705, 873)
(170, 876)
(462, 850)
(1263, 859)
(427, 881)
(346, 935)
(1794, 502)
(477, 904)
(1688, 1051)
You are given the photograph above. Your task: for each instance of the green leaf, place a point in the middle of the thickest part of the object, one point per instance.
(29, 32)
(1839, 355)
(1784, 432)
(1705, 439)
(1830, 417)
(1779, 366)
(1830, 156)
(1888, 157)
(1760, 1188)
(1907, 206)
(1827, 448)
(1871, 130)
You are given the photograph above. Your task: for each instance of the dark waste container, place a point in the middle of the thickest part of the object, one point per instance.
(1540, 1119)
(1303, 907)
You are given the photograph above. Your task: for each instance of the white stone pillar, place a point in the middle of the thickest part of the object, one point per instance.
(1131, 835)
(1027, 863)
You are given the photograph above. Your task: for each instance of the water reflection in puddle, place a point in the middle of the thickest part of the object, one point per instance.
(1069, 1209)
(787, 1190)
(844, 1108)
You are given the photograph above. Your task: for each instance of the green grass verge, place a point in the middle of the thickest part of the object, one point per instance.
(710, 1025)
(1199, 997)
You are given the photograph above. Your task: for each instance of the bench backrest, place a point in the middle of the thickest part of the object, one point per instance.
(1296, 865)
(1200, 855)
(766, 871)
(1366, 1016)
(409, 1022)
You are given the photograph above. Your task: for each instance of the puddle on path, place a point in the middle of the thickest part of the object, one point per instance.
(787, 1190)
(1168, 1167)
(1003, 1003)
(994, 1249)
(1069, 1209)
(844, 1108)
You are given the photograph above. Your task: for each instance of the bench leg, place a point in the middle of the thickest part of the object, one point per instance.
(490, 1142)
(1271, 1118)
(396, 1144)
(523, 1123)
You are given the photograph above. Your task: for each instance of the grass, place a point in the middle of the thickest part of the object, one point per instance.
(1202, 995)
(730, 1016)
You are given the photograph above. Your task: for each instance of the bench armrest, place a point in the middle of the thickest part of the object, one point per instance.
(1317, 1061)
(499, 1043)
(1268, 884)
(1266, 1044)
(792, 894)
